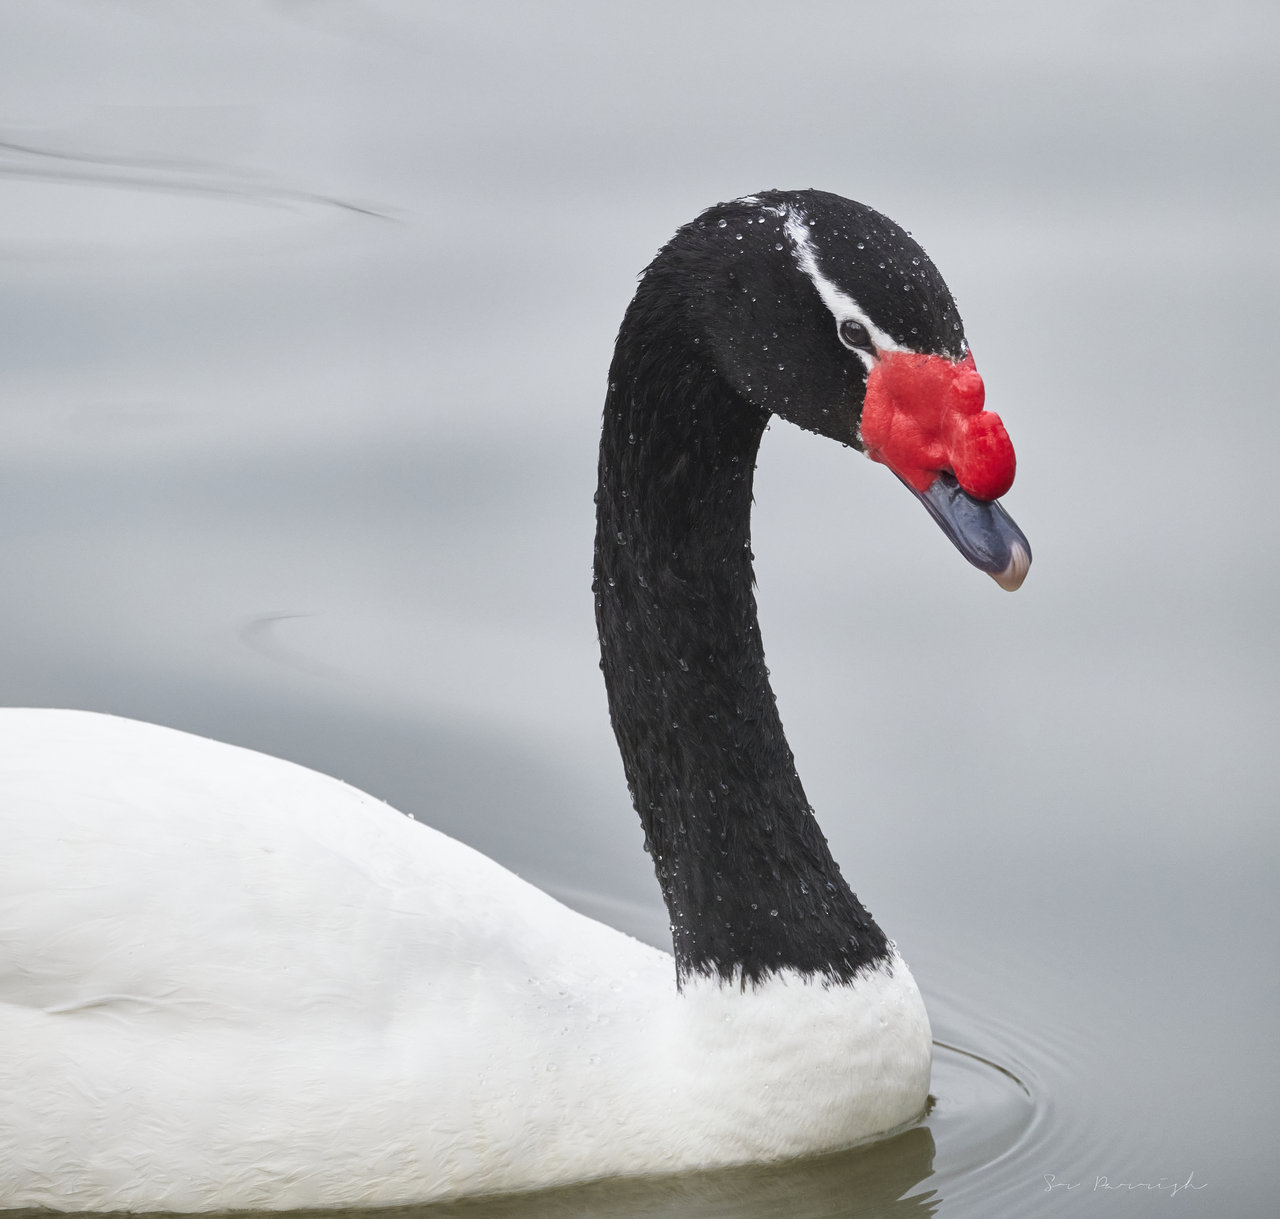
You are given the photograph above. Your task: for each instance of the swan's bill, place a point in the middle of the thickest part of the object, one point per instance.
(1019, 564)
(980, 529)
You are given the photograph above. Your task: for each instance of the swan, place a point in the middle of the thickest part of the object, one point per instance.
(229, 982)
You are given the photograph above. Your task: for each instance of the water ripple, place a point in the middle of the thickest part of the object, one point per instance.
(58, 200)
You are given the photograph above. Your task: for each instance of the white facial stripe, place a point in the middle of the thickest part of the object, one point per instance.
(842, 307)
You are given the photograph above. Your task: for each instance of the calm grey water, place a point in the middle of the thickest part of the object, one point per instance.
(304, 321)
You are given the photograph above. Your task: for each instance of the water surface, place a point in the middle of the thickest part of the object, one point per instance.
(304, 323)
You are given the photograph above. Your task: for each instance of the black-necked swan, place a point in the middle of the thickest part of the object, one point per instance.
(229, 982)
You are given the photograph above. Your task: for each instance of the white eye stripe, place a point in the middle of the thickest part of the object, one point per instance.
(842, 306)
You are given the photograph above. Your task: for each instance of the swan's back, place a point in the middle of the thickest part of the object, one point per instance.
(193, 874)
(202, 947)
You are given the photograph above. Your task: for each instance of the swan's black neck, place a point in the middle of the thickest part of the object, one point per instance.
(745, 871)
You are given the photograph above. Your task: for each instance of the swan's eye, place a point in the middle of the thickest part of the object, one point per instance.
(854, 335)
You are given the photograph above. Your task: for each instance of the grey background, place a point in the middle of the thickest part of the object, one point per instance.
(305, 315)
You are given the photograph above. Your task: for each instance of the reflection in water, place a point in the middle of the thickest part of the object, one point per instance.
(880, 1180)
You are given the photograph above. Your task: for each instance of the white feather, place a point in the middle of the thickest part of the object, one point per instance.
(842, 306)
(230, 982)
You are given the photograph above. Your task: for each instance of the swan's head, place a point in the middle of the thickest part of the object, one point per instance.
(821, 310)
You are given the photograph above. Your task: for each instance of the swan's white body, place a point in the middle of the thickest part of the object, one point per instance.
(230, 982)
